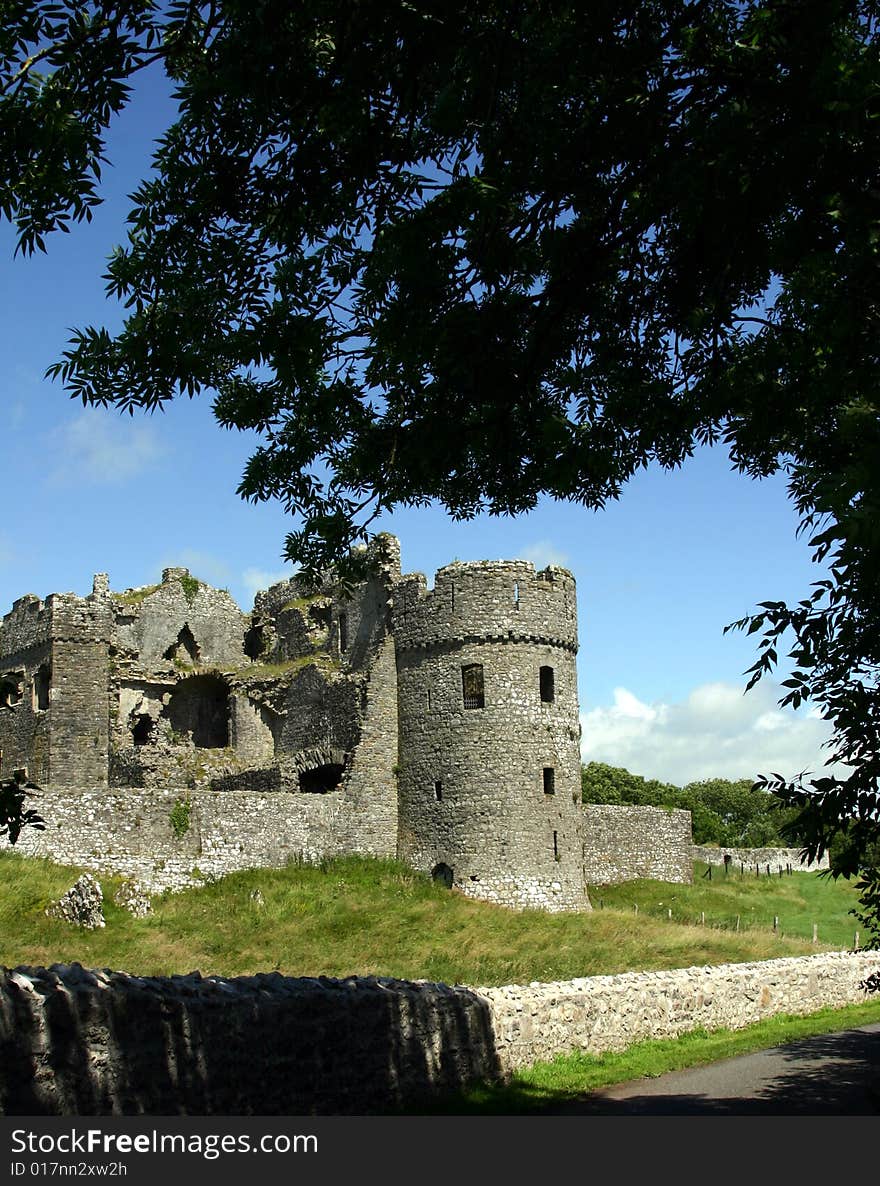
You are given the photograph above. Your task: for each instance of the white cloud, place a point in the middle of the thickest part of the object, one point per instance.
(101, 448)
(716, 732)
(255, 580)
(542, 553)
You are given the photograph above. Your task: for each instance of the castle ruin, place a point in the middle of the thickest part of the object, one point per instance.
(440, 726)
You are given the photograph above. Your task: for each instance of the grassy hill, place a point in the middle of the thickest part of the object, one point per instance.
(364, 917)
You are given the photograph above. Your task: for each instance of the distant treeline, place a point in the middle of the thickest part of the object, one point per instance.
(722, 812)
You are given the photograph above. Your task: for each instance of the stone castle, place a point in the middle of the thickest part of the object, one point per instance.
(177, 737)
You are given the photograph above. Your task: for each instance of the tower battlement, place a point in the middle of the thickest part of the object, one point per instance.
(490, 600)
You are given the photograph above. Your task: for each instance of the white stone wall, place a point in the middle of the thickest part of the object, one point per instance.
(536, 1022)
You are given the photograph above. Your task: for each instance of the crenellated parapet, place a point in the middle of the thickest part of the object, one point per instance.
(493, 601)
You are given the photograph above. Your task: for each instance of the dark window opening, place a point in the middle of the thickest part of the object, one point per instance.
(555, 846)
(452, 597)
(472, 686)
(185, 649)
(320, 616)
(255, 642)
(10, 690)
(321, 779)
(143, 729)
(438, 790)
(42, 683)
(549, 780)
(343, 633)
(200, 706)
(443, 875)
(546, 680)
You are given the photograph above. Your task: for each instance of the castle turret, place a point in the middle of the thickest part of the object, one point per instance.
(489, 761)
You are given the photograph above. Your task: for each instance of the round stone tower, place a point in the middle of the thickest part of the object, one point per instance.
(489, 786)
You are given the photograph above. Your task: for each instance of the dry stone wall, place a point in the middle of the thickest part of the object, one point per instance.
(77, 1042)
(774, 859)
(536, 1022)
(625, 843)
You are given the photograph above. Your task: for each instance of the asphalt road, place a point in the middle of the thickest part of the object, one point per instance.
(827, 1075)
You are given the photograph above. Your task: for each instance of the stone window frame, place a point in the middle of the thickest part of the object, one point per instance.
(473, 685)
(11, 689)
(41, 695)
(546, 683)
(549, 779)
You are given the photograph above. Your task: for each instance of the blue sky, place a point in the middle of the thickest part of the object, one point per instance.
(659, 573)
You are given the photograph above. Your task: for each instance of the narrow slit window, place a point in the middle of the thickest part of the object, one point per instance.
(555, 846)
(428, 699)
(547, 683)
(438, 790)
(516, 594)
(42, 684)
(472, 686)
(343, 633)
(549, 780)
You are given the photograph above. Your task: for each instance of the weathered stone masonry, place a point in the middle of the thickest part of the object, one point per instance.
(75, 1042)
(441, 726)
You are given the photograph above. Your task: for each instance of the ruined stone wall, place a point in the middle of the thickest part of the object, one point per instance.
(78, 1042)
(25, 649)
(473, 793)
(129, 831)
(369, 824)
(623, 843)
(775, 858)
(149, 627)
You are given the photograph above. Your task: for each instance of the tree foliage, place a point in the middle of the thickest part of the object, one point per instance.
(476, 252)
(14, 815)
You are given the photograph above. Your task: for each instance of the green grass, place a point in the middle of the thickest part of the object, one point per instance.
(798, 900)
(319, 659)
(357, 916)
(135, 596)
(560, 1086)
(364, 917)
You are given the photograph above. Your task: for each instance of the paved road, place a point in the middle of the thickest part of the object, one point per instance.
(828, 1075)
